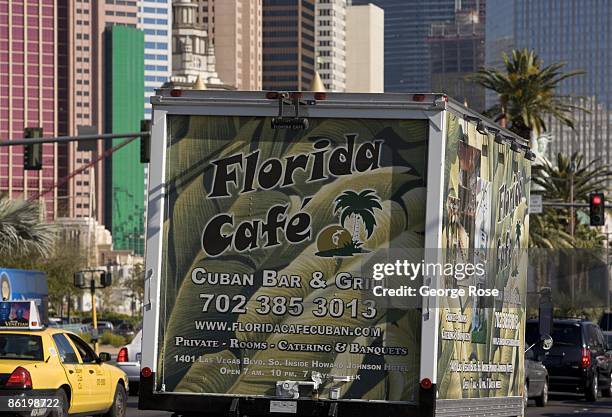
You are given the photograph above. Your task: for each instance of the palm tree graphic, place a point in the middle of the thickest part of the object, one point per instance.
(359, 207)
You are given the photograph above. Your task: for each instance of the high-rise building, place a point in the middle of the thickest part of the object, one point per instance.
(330, 43)
(577, 33)
(156, 21)
(238, 43)
(204, 15)
(85, 175)
(288, 44)
(193, 54)
(407, 25)
(234, 27)
(456, 50)
(365, 60)
(123, 110)
(31, 90)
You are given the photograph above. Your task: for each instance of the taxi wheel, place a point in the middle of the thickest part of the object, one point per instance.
(63, 411)
(119, 403)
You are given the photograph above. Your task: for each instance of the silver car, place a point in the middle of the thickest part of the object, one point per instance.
(128, 360)
(536, 379)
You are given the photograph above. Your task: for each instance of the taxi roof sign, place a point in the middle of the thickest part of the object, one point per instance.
(16, 315)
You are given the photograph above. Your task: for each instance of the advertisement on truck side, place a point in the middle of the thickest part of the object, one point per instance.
(485, 222)
(265, 236)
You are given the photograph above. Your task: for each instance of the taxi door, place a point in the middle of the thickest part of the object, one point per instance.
(96, 375)
(80, 401)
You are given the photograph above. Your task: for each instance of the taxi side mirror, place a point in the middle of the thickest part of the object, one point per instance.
(104, 357)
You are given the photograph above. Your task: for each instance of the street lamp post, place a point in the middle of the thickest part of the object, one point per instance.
(80, 282)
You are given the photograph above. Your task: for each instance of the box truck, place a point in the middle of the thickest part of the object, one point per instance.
(330, 254)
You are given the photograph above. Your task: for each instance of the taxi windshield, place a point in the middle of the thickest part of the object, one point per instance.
(20, 346)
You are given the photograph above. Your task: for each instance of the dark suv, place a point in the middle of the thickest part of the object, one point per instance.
(580, 359)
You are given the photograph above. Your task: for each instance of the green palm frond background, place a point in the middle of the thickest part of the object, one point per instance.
(390, 203)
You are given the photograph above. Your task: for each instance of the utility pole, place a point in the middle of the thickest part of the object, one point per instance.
(94, 315)
(572, 224)
(105, 281)
(571, 190)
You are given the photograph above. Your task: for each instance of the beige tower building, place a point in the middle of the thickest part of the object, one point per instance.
(330, 43)
(235, 29)
(193, 53)
(85, 72)
(365, 26)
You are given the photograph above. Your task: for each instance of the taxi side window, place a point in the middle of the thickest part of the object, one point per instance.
(86, 353)
(66, 352)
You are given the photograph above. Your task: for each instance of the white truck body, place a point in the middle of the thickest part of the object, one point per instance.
(259, 228)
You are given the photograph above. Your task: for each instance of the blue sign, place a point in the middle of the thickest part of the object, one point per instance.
(19, 284)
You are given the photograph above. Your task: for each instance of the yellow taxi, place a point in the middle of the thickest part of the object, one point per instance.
(54, 367)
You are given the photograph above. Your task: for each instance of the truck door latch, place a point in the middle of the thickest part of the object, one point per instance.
(294, 122)
(291, 389)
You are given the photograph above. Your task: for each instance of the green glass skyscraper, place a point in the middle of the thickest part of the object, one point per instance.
(125, 180)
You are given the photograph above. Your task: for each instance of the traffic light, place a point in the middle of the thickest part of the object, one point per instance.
(145, 142)
(597, 208)
(32, 154)
(106, 279)
(79, 279)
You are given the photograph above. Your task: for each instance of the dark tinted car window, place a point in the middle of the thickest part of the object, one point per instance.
(66, 352)
(87, 354)
(566, 335)
(21, 346)
(597, 337)
(606, 322)
(532, 333)
(593, 337)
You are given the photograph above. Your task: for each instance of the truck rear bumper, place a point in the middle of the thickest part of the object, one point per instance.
(226, 406)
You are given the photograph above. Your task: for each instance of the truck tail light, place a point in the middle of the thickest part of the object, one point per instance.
(418, 97)
(320, 95)
(20, 378)
(146, 372)
(122, 356)
(585, 361)
(426, 383)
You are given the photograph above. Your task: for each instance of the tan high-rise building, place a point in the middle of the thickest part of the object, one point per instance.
(365, 27)
(86, 24)
(330, 43)
(235, 29)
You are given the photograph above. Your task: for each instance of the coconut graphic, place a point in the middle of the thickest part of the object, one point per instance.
(356, 210)
(332, 238)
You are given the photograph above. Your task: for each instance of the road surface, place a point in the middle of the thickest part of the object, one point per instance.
(133, 410)
(558, 406)
(568, 405)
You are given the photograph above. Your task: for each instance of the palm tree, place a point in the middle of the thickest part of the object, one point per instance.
(360, 207)
(557, 183)
(544, 232)
(526, 92)
(22, 232)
